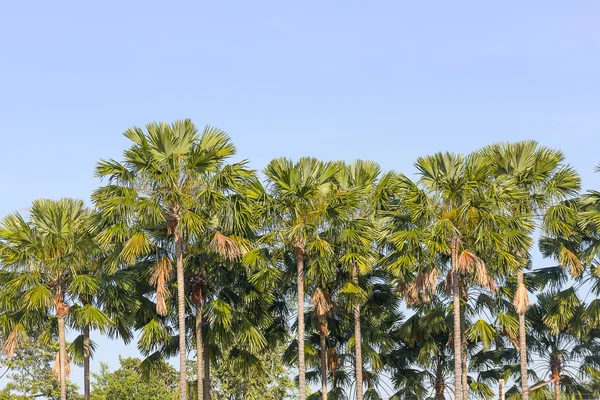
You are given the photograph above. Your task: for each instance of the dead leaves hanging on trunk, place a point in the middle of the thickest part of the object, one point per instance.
(333, 361)
(11, 343)
(224, 246)
(521, 301)
(56, 366)
(161, 275)
(469, 263)
(322, 306)
(422, 287)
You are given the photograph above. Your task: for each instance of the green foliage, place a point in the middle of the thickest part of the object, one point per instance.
(127, 382)
(29, 374)
(270, 381)
(358, 240)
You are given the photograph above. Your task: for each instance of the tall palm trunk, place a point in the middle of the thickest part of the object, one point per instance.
(458, 393)
(206, 356)
(323, 340)
(62, 355)
(301, 362)
(86, 362)
(463, 343)
(199, 351)
(62, 310)
(556, 386)
(522, 341)
(357, 342)
(439, 380)
(181, 315)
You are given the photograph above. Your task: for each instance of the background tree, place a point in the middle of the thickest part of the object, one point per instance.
(359, 193)
(46, 257)
(453, 201)
(126, 382)
(298, 193)
(540, 173)
(158, 185)
(559, 337)
(270, 381)
(90, 291)
(231, 204)
(28, 374)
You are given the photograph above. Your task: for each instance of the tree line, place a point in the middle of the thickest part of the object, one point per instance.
(188, 253)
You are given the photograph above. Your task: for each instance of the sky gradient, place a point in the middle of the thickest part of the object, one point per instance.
(382, 80)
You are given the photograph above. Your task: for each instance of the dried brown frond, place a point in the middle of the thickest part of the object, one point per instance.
(423, 287)
(333, 361)
(408, 292)
(411, 295)
(483, 278)
(224, 246)
(571, 260)
(466, 262)
(448, 284)
(161, 275)
(10, 344)
(429, 284)
(56, 366)
(321, 302)
(521, 301)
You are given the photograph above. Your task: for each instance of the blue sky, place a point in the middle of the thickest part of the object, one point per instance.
(382, 80)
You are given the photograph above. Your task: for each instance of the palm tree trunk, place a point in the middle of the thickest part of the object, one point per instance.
(357, 342)
(206, 356)
(458, 393)
(181, 315)
(199, 351)
(523, 345)
(457, 342)
(323, 340)
(463, 361)
(62, 351)
(439, 381)
(301, 362)
(557, 389)
(86, 363)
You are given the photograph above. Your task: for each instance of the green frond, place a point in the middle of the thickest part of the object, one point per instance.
(481, 332)
(39, 297)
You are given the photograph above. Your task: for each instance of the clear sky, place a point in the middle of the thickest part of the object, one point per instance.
(382, 80)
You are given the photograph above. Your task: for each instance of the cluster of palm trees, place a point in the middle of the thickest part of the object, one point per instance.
(188, 252)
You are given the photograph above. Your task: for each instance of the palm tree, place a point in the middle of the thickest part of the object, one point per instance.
(322, 306)
(46, 256)
(583, 230)
(462, 216)
(230, 205)
(86, 314)
(353, 211)
(379, 316)
(298, 204)
(560, 338)
(159, 185)
(539, 172)
(423, 353)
